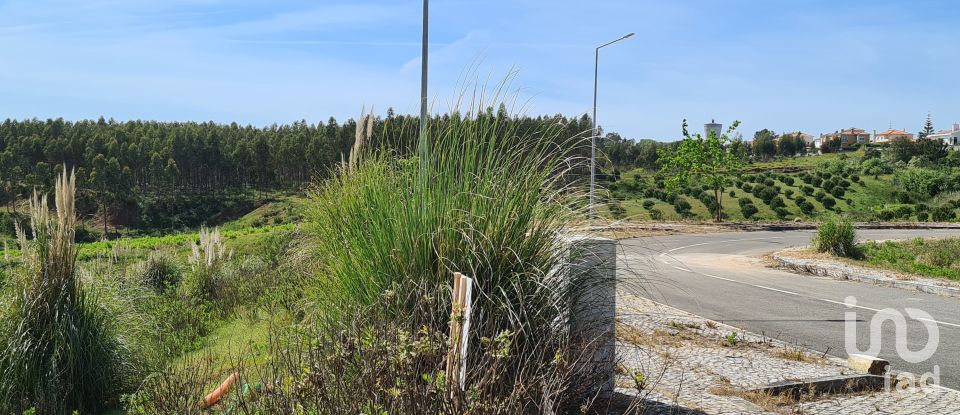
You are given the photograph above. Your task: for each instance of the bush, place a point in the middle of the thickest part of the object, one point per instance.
(159, 272)
(682, 206)
(788, 193)
(733, 194)
(819, 195)
(656, 214)
(838, 192)
(787, 180)
(647, 204)
(616, 209)
(807, 190)
(61, 349)
(942, 214)
(836, 236)
(767, 194)
(748, 209)
(922, 216)
(828, 202)
(777, 202)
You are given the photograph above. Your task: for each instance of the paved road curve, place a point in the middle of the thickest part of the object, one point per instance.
(719, 276)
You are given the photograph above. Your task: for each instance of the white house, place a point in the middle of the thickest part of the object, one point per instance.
(890, 135)
(949, 137)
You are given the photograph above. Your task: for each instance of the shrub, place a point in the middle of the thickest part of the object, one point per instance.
(838, 192)
(829, 185)
(767, 194)
(748, 209)
(836, 236)
(733, 194)
(616, 209)
(828, 202)
(656, 214)
(922, 216)
(885, 214)
(61, 350)
(787, 180)
(647, 204)
(941, 258)
(777, 202)
(819, 195)
(941, 214)
(805, 206)
(159, 272)
(682, 206)
(807, 190)
(788, 193)
(922, 181)
(816, 181)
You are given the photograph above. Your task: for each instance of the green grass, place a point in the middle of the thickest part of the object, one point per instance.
(863, 201)
(932, 258)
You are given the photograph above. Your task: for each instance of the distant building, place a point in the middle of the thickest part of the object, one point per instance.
(890, 135)
(712, 127)
(949, 137)
(848, 138)
(808, 139)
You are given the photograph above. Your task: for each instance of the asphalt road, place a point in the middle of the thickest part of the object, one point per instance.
(720, 276)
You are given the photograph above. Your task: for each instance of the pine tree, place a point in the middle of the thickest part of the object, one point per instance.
(927, 128)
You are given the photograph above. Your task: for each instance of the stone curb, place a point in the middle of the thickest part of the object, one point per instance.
(841, 271)
(764, 226)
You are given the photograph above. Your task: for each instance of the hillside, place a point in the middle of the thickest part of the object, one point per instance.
(865, 186)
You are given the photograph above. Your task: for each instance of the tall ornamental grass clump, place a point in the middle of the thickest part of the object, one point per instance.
(60, 350)
(489, 200)
(836, 236)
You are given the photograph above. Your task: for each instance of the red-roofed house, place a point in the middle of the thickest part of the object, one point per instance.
(848, 138)
(890, 135)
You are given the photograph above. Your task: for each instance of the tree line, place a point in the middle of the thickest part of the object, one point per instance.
(136, 166)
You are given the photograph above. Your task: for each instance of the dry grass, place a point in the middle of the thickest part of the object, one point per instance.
(780, 404)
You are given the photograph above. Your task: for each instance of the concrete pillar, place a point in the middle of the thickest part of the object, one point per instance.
(591, 276)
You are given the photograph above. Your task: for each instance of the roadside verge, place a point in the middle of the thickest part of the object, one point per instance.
(790, 260)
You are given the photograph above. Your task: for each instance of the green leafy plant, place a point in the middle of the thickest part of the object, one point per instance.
(708, 160)
(837, 236)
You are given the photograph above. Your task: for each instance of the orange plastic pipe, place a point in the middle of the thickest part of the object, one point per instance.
(213, 397)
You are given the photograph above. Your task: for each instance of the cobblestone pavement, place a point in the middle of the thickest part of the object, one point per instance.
(691, 365)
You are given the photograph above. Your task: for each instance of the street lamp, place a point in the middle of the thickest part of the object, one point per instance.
(593, 137)
(422, 142)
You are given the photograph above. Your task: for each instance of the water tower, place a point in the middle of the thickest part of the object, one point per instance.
(712, 127)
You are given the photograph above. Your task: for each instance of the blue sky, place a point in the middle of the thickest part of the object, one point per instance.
(816, 66)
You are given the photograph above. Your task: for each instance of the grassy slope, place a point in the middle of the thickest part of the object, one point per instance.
(861, 197)
(933, 258)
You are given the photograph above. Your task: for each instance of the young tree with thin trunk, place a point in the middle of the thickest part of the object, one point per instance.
(710, 161)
